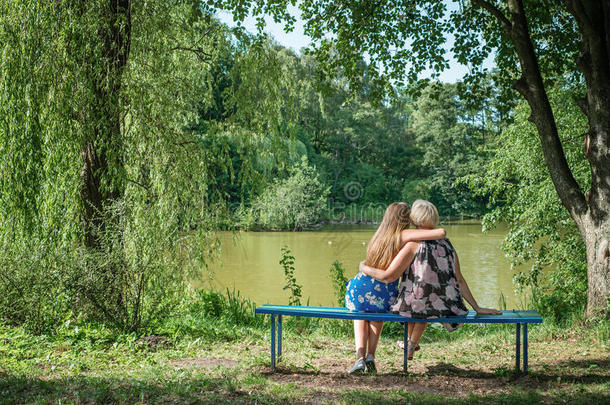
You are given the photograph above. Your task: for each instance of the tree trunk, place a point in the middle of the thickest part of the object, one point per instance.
(593, 18)
(598, 269)
(102, 148)
(591, 212)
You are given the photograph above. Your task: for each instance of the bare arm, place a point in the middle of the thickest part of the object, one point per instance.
(398, 265)
(465, 290)
(409, 235)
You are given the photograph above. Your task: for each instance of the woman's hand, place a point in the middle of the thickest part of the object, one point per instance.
(398, 265)
(363, 268)
(488, 311)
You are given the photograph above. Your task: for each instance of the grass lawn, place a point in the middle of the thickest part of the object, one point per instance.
(231, 365)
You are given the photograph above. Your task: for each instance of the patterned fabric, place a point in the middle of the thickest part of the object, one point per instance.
(366, 294)
(429, 287)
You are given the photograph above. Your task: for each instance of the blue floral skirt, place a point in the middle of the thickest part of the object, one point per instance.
(366, 294)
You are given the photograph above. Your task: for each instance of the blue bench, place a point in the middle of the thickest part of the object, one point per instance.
(520, 318)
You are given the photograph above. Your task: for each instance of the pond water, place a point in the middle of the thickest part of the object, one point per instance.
(249, 262)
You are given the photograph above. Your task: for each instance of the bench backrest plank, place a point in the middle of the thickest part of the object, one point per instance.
(510, 316)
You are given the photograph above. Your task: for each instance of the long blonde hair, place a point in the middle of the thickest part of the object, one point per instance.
(386, 242)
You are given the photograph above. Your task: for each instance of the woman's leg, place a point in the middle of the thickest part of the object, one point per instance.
(410, 326)
(418, 331)
(361, 332)
(374, 331)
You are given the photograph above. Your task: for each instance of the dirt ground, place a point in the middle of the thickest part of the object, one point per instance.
(477, 371)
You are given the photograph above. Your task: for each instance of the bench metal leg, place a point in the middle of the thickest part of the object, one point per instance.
(518, 348)
(272, 342)
(279, 338)
(405, 345)
(525, 349)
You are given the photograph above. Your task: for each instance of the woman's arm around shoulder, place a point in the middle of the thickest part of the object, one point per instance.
(398, 265)
(409, 235)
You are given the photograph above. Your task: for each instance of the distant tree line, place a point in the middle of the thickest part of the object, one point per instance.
(403, 148)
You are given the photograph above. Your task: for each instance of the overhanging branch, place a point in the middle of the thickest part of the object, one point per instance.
(202, 55)
(531, 86)
(496, 12)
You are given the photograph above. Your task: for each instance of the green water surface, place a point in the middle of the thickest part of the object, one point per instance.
(249, 262)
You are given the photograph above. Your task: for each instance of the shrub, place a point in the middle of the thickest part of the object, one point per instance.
(292, 203)
(32, 284)
(138, 274)
(287, 262)
(208, 303)
(231, 308)
(338, 280)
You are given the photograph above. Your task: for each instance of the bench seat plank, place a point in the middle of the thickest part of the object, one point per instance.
(510, 316)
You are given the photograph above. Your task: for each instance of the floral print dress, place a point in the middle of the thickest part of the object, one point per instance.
(429, 287)
(366, 294)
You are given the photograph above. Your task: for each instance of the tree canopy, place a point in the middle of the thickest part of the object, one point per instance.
(535, 43)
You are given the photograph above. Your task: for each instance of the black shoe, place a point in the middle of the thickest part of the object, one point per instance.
(358, 368)
(369, 362)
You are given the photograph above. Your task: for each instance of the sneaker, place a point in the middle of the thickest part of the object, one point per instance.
(369, 362)
(359, 367)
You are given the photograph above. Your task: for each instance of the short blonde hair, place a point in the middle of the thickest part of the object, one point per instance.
(424, 214)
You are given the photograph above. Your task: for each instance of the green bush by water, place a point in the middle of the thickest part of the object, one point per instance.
(293, 203)
(338, 280)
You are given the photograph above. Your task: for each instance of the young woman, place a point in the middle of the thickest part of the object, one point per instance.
(366, 294)
(433, 286)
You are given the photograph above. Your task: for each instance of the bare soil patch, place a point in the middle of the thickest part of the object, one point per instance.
(548, 372)
(442, 379)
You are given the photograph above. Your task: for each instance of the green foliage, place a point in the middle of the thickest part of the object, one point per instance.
(212, 315)
(287, 262)
(240, 310)
(343, 36)
(64, 100)
(356, 142)
(209, 304)
(137, 276)
(541, 232)
(338, 280)
(32, 283)
(451, 147)
(350, 140)
(292, 203)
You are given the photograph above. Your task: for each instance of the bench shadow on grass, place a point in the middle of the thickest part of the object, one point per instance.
(569, 372)
(429, 387)
(577, 372)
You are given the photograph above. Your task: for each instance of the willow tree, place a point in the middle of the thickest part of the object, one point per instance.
(534, 43)
(99, 170)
